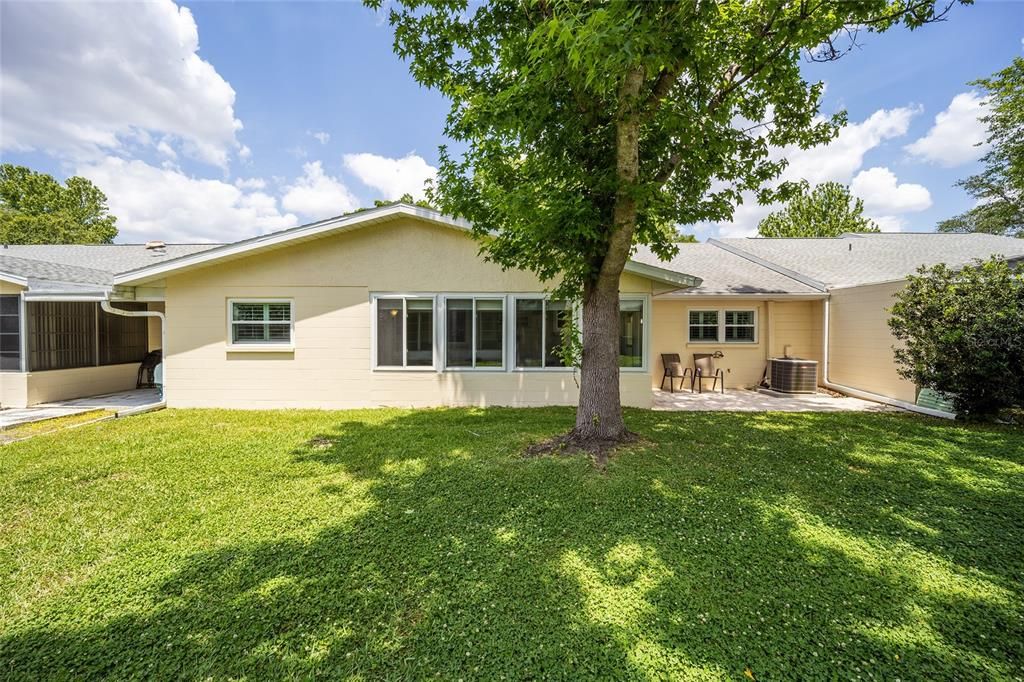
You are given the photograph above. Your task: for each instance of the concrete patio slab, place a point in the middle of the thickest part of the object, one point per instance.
(123, 404)
(744, 400)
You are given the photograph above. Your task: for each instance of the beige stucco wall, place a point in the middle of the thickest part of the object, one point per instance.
(13, 389)
(796, 323)
(330, 281)
(9, 288)
(860, 343)
(64, 384)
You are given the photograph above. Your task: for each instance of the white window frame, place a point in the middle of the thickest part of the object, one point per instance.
(725, 325)
(436, 330)
(443, 308)
(645, 316)
(720, 334)
(267, 346)
(543, 333)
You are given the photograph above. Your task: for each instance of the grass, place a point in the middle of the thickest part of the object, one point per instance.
(413, 544)
(42, 426)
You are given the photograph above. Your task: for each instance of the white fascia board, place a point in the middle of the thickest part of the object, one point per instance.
(676, 279)
(687, 295)
(13, 279)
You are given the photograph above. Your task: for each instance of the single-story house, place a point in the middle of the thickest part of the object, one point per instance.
(396, 307)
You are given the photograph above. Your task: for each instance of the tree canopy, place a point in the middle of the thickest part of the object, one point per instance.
(963, 334)
(999, 187)
(828, 210)
(36, 209)
(588, 128)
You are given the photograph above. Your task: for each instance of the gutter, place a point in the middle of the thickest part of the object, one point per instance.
(105, 305)
(867, 395)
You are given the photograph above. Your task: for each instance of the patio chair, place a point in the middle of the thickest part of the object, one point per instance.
(674, 370)
(146, 378)
(704, 368)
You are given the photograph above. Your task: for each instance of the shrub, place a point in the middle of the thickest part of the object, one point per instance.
(963, 334)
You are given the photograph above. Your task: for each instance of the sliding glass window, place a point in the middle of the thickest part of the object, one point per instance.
(405, 332)
(538, 326)
(474, 333)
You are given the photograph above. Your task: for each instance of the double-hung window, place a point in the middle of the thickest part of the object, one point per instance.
(405, 331)
(739, 326)
(474, 333)
(718, 326)
(539, 324)
(261, 322)
(703, 326)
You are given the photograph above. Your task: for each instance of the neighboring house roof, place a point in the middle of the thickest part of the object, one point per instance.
(723, 272)
(872, 258)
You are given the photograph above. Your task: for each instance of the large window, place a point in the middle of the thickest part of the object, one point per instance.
(10, 332)
(717, 326)
(474, 333)
(266, 322)
(405, 332)
(539, 324)
(631, 333)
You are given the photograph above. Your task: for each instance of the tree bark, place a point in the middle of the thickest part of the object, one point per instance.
(599, 413)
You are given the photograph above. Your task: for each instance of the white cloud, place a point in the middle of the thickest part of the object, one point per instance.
(320, 136)
(166, 204)
(883, 194)
(82, 80)
(250, 183)
(839, 159)
(318, 195)
(836, 161)
(391, 177)
(889, 223)
(958, 136)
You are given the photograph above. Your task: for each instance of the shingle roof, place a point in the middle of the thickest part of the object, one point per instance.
(57, 272)
(852, 260)
(112, 258)
(724, 272)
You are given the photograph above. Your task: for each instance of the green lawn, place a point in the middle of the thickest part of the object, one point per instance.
(412, 544)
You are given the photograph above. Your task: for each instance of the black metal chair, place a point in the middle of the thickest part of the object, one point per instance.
(704, 368)
(674, 370)
(145, 378)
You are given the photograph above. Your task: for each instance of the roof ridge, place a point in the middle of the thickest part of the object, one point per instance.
(792, 274)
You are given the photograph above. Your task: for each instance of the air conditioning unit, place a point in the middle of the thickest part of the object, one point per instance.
(794, 375)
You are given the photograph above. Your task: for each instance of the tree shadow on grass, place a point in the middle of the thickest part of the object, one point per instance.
(786, 544)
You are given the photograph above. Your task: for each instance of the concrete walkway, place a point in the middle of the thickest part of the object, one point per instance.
(123, 403)
(744, 400)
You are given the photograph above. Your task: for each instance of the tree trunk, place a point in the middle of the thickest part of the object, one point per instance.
(599, 413)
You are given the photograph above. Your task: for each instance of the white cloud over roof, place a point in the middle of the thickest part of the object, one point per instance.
(391, 177)
(957, 136)
(166, 204)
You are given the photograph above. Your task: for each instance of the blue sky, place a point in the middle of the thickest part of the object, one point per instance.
(216, 121)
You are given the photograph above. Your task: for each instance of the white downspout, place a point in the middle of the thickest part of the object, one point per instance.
(107, 307)
(866, 395)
